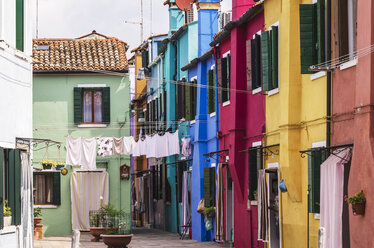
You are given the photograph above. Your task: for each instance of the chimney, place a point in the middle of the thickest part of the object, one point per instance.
(239, 7)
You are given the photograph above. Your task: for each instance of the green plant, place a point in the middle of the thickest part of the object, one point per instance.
(7, 209)
(357, 198)
(37, 212)
(209, 212)
(255, 192)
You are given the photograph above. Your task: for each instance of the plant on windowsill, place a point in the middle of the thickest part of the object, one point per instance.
(7, 214)
(37, 216)
(358, 202)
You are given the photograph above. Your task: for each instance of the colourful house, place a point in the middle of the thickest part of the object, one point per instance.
(66, 75)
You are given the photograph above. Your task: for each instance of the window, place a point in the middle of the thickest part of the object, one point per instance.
(255, 164)
(157, 180)
(315, 160)
(312, 35)
(223, 76)
(91, 105)
(209, 187)
(191, 98)
(19, 25)
(47, 188)
(211, 93)
(145, 58)
(180, 100)
(181, 166)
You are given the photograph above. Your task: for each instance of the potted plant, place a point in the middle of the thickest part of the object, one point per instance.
(7, 214)
(358, 203)
(255, 194)
(47, 164)
(97, 225)
(60, 165)
(37, 216)
(209, 212)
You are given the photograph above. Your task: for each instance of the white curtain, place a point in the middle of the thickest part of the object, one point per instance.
(185, 203)
(87, 106)
(263, 219)
(86, 190)
(332, 195)
(26, 232)
(97, 106)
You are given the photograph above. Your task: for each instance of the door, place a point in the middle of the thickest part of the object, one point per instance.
(274, 204)
(229, 207)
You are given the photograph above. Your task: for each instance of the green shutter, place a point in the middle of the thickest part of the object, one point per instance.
(266, 61)
(307, 37)
(17, 188)
(219, 79)
(258, 63)
(78, 108)
(224, 79)
(1, 187)
(274, 56)
(252, 159)
(320, 31)
(11, 184)
(188, 103)
(106, 105)
(209, 187)
(316, 158)
(56, 188)
(19, 25)
(210, 91)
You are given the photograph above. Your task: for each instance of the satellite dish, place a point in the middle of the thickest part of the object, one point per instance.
(184, 4)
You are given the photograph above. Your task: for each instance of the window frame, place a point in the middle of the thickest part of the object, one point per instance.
(93, 90)
(226, 94)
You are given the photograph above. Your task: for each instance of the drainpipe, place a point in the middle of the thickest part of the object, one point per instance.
(175, 70)
(329, 79)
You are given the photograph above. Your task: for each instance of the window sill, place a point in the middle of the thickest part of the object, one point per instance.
(212, 114)
(45, 206)
(348, 64)
(256, 91)
(317, 216)
(92, 125)
(226, 103)
(8, 229)
(317, 75)
(193, 122)
(273, 91)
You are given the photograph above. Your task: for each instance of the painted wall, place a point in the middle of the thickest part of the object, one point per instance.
(54, 119)
(295, 119)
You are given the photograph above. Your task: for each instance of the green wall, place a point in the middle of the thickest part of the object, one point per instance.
(53, 119)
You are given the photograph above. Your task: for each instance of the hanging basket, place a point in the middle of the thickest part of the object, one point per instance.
(358, 208)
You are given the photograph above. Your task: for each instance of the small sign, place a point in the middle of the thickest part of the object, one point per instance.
(125, 172)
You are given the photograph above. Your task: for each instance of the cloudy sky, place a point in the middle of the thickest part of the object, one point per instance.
(74, 18)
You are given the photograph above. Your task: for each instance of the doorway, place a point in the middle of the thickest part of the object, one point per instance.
(229, 207)
(274, 207)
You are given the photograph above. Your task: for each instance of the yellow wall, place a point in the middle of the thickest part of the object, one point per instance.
(295, 118)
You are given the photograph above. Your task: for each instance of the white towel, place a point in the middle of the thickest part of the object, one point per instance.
(117, 145)
(162, 146)
(89, 153)
(136, 149)
(128, 145)
(151, 146)
(73, 150)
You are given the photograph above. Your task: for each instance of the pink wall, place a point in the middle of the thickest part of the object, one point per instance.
(242, 123)
(239, 7)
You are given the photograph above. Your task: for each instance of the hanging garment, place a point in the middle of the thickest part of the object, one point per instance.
(185, 203)
(162, 146)
(89, 153)
(173, 143)
(186, 147)
(26, 230)
(151, 146)
(73, 151)
(143, 146)
(105, 146)
(86, 190)
(141, 194)
(118, 146)
(219, 204)
(128, 145)
(332, 195)
(136, 149)
(262, 210)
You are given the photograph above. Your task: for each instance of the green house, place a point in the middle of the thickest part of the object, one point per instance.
(81, 89)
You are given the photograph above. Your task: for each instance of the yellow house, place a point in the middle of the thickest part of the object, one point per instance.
(295, 119)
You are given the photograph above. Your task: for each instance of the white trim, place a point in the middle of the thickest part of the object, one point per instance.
(275, 24)
(184, 77)
(91, 85)
(212, 67)
(193, 122)
(212, 114)
(253, 203)
(225, 54)
(317, 216)
(319, 144)
(317, 75)
(194, 78)
(258, 33)
(8, 229)
(213, 165)
(257, 143)
(93, 125)
(84, 170)
(273, 165)
(273, 91)
(226, 103)
(45, 206)
(183, 158)
(257, 90)
(314, 1)
(348, 64)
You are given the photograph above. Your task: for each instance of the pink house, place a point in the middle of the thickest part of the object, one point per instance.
(242, 108)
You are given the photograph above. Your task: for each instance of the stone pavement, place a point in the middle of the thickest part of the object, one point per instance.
(143, 238)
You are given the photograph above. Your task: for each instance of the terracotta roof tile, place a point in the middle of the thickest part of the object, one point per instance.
(89, 52)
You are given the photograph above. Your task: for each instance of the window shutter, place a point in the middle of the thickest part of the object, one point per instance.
(307, 37)
(321, 31)
(180, 180)
(274, 56)
(106, 105)
(209, 187)
(19, 25)
(219, 79)
(179, 101)
(258, 63)
(314, 172)
(1, 187)
(56, 188)
(266, 61)
(145, 59)
(17, 188)
(211, 91)
(78, 108)
(188, 102)
(224, 78)
(194, 99)
(252, 159)
(164, 107)
(248, 47)
(254, 65)
(228, 77)
(167, 191)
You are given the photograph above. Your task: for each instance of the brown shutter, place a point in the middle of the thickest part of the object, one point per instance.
(219, 79)
(249, 64)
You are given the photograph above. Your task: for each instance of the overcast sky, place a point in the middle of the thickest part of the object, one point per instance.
(74, 18)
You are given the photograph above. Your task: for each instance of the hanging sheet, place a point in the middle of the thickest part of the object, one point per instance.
(73, 151)
(86, 190)
(89, 153)
(219, 204)
(263, 218)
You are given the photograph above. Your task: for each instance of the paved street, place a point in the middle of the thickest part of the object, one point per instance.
(143, 238)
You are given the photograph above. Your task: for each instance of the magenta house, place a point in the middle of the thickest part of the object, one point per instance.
(242, 124)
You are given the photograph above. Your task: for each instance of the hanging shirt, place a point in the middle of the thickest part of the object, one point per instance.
(128, 145)
(151, 146)
(162, 145)
(173, 143)
(105, 146)
(186, 147)
(73, 150)
(117, 145)
(143, 146)
(89, 153)
(136, 149)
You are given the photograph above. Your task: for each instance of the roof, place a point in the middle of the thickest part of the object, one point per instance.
(249, 14)
(90, 52)
(194, 62)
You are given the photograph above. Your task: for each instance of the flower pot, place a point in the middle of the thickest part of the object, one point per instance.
(47, 166)
(116, 241)
(358, 208)
(7, 221)
(96, 232)
(37, 220)
(59, 167)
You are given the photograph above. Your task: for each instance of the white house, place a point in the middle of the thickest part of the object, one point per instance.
(16, 27)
